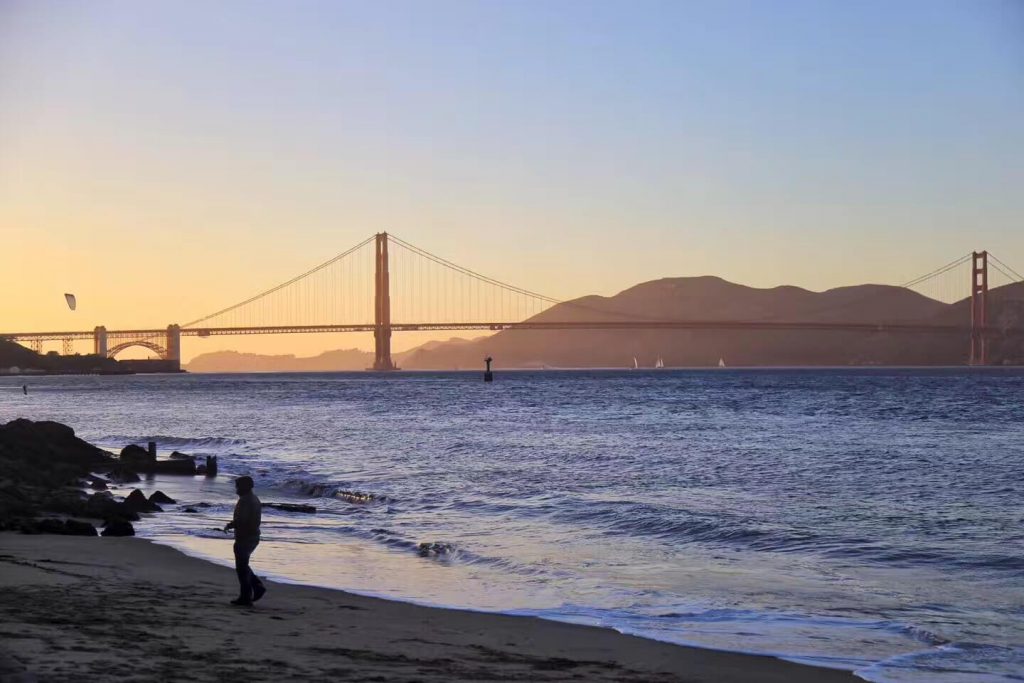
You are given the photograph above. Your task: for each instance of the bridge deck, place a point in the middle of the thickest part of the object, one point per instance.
(759, 325)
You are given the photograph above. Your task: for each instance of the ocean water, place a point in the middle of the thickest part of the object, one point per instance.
(871, 520)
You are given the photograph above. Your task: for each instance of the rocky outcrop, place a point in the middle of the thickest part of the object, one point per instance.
(41, 466)
(46, 453)
(44, 466)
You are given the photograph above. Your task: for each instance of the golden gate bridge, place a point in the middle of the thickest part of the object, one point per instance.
(385, 285)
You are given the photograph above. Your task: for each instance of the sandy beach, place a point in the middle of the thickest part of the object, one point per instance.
(125, 609)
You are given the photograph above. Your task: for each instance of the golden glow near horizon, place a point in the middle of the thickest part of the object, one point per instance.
(164, 161)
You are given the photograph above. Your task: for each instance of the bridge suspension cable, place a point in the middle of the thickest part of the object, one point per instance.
(290, 307)
(426, 287)
(938, 271)
(1013, 275)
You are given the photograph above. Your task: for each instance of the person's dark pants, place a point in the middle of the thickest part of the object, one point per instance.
(247, 580)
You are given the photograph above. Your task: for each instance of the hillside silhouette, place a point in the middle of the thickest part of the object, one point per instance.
(13, 355)
(697, 298)
(712, 298)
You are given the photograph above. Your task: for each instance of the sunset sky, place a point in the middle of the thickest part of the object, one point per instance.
(165, 159)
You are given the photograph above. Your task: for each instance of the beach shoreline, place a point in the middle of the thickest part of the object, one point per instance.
(106, 608)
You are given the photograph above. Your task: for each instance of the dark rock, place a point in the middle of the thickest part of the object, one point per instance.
(161, 497)
(17, 501)
(46, 454)
(434, 549)
(50, 526)
(67, 500)
(135, 454)
(123, 474)
(137, 502)
(73, 527)
(118, 528)
(291, 507)
(178, 455)
(191, 509)
(103, 506)
(96, 483)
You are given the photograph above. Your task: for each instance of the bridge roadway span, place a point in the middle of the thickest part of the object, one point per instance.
(751, 325)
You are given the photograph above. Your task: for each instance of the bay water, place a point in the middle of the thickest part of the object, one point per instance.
(866, 519)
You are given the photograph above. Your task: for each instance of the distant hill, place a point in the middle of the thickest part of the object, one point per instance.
(711, 298)
(233, 361)
(695, 298)
(340, 360)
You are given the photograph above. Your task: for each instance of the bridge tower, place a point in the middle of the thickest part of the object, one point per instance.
(99, 341)
(173, 345)
(979, 308)
(382, 309)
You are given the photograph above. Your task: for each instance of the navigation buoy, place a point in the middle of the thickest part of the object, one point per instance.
(488, 375)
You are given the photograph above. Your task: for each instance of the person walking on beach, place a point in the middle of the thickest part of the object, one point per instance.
(246, 523)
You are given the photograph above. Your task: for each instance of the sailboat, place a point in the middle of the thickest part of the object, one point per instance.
(635, 364)
(660, 363)
(721, 362)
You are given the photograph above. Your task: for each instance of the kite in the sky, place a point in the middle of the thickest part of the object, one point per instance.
(70, 298)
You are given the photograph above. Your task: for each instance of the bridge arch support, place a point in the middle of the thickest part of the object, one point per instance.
(155, 348)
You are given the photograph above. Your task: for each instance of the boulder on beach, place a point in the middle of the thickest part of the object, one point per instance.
(118, 528)
(135, 454)
(137, 502)
(161, 497)
(73, 527)
(103, 506)
(123, 474)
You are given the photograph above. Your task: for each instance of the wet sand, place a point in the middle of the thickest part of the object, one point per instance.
(96, 609)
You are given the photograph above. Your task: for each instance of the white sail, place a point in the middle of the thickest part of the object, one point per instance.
(721, 362)
(660, 363)
(635, 364)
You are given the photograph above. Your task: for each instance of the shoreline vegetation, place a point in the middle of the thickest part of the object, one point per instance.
(77, 606)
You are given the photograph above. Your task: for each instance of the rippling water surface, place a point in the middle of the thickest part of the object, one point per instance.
(867, 519)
